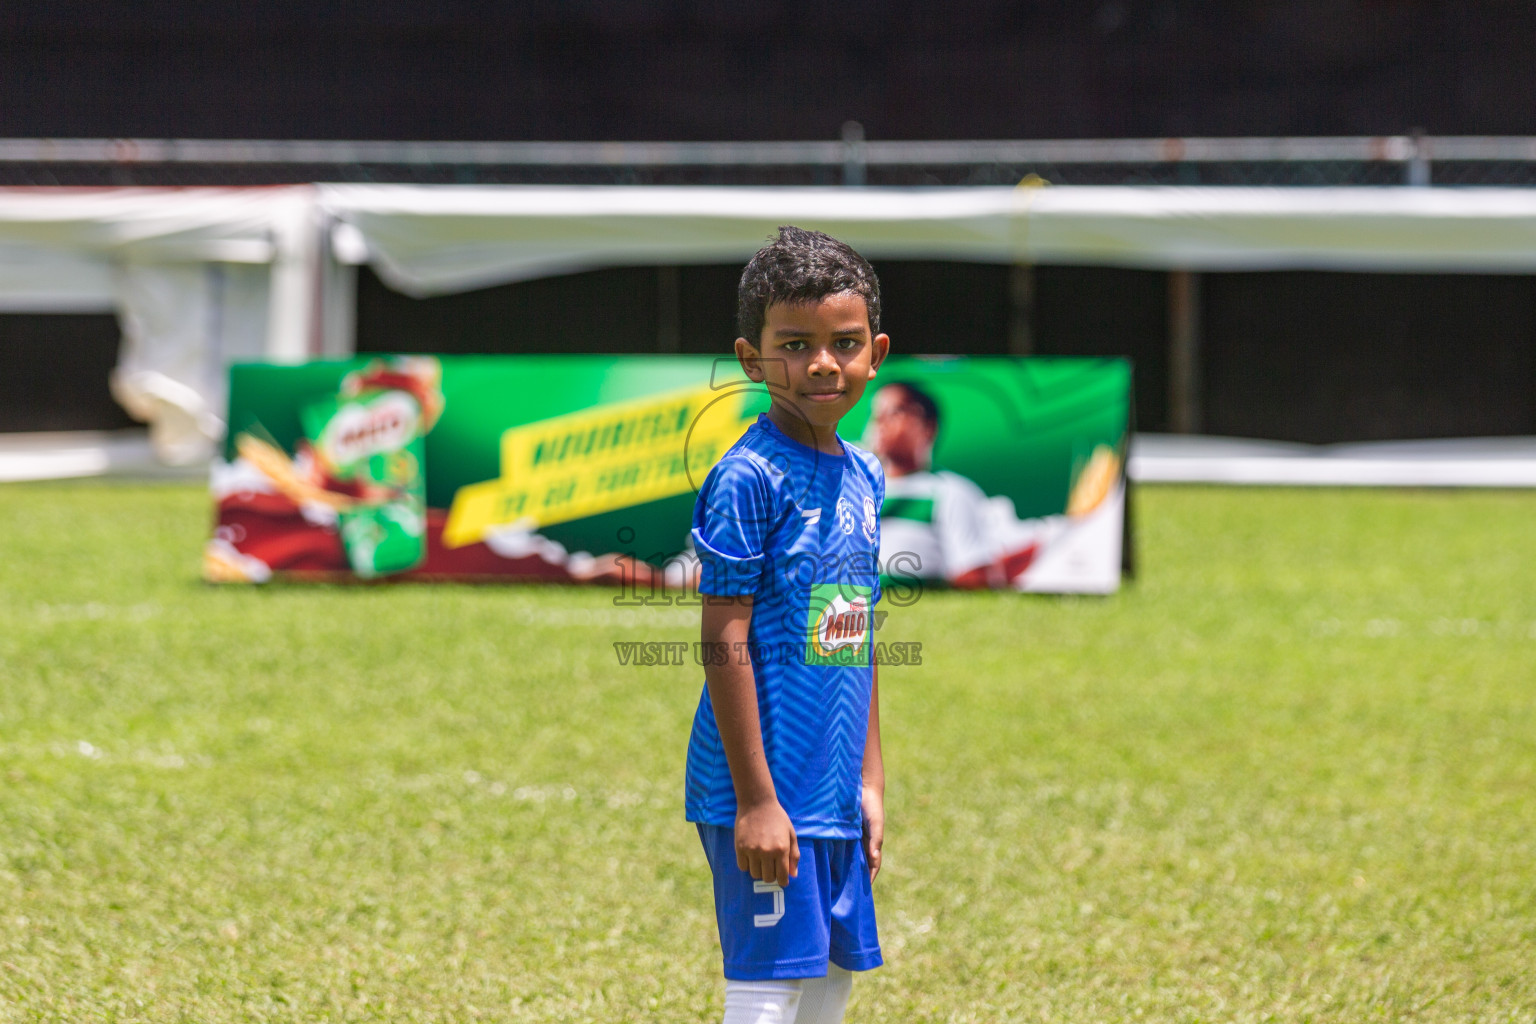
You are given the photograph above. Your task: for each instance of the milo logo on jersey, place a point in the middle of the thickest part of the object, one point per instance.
(838, 621)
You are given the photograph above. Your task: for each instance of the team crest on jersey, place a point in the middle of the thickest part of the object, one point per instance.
(871, 519)
(837, 624)
(845, 517)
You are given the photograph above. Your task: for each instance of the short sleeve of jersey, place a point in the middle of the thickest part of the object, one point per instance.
(731, 522)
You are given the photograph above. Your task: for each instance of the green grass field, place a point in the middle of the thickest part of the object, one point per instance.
(1288, 775)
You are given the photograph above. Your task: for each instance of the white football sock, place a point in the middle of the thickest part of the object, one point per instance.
(761, 1002)
(823, 1000)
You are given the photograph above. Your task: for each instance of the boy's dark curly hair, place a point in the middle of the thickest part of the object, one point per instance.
(802, 266)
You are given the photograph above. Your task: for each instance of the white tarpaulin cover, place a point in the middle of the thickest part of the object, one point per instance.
(427, 240)
(36, 280)
(225, 225)
(1434, 230)
(1451, 462)
(183, 324)
(198, 277)
(203, 276)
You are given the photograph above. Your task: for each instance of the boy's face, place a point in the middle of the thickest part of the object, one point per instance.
(817, 358)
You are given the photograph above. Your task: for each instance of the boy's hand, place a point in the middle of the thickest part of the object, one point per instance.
(874, 828)
(766, 847)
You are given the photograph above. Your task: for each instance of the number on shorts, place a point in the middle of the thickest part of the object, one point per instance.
(769, 920)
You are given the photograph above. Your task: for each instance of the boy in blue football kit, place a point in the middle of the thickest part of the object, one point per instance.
(785, 779)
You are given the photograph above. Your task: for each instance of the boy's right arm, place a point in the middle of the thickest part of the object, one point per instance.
(766, 847)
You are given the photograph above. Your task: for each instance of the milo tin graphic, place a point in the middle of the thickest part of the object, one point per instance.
(371, 444)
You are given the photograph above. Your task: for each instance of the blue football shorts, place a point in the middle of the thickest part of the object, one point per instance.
(826, 913)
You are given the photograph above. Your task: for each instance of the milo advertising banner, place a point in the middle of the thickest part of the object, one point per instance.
(1002, 473)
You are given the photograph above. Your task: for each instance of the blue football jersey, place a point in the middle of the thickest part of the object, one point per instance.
(799, 530)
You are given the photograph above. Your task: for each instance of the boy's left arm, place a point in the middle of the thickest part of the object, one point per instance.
(874, 781)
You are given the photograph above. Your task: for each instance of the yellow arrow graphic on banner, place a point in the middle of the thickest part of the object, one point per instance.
(599, 460)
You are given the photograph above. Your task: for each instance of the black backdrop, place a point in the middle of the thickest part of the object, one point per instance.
(653, 69)
(1317, 357)
(53, 372)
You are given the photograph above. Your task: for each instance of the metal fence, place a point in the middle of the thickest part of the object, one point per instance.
(852, 160)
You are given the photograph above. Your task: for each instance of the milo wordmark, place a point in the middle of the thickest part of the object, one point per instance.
(837, 623)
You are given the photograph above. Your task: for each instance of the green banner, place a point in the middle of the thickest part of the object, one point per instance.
(586, 467)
